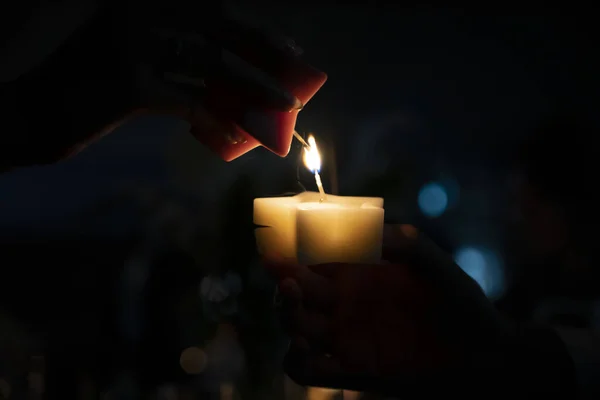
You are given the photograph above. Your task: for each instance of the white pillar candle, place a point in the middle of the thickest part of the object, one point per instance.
(334, 232)
(302, 229)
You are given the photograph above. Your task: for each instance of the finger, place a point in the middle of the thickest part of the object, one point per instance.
(279, 267)
(290, 289)
(309, 368)
(405, 244)
(274, 54)
(329, 270)
(252, 40)
(316, 290)
(270, 256)
(299, 343)
(195, 59)
(314, 327)
(195, 70)
(253, 86)
(183, 100)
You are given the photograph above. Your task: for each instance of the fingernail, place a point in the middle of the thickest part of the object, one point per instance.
(294, 102)
(284, 100)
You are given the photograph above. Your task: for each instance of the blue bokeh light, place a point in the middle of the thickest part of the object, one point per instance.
(484, 267)
(433, 199)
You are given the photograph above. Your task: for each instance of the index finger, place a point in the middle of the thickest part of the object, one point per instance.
(242, 31)
(279, 266)
(270, 52)
(254, 85)
(317, 290)
(407, 245)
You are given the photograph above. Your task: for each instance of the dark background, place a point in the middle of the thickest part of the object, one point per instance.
(415, 95)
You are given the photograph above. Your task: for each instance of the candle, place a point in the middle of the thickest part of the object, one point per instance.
(312, 228)
(302, 229)
(339, 232)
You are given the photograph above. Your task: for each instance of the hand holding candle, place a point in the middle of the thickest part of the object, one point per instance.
(313, 228)
(395, 328)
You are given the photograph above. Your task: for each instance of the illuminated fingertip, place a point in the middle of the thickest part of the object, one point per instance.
(409, 231)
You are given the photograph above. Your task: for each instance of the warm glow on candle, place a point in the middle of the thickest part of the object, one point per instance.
(312, 158)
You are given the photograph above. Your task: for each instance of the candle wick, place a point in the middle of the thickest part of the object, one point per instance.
(320, 186)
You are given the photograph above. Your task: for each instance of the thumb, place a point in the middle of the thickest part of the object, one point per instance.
(407, 245)
(280, 267)
(404, 243)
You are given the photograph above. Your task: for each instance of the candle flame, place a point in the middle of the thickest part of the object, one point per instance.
(312, 158)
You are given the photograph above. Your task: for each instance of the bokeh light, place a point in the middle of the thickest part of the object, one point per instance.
(452, 189)
(193, 360)
(484, 267)
(433, 199)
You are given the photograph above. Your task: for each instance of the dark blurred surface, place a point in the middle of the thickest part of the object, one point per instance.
(426, 107)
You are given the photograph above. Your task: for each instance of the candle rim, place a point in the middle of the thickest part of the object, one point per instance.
(318, 206)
